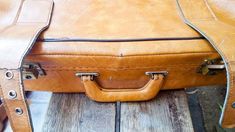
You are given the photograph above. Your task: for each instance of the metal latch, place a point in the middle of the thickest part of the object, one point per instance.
(92, 74)
(211, 66)
(32, 71)
(151, 74)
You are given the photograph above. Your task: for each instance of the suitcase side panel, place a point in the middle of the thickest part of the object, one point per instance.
(122, 72)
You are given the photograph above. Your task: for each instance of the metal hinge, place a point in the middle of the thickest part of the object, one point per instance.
(211, 66)
(32, 71)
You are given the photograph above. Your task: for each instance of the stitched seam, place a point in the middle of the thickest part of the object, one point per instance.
(35, 35)
(228, 68)
(185, 69)
(171, 69)
(20, 86)
(231, 76)
(24, 54)
(231, 87)
(217, 46)
(159, 66)
(162, 54)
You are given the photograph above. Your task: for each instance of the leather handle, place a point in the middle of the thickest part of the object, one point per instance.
(97, 93)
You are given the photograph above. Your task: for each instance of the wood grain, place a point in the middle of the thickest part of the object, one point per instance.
(76, 113)
(169, 112)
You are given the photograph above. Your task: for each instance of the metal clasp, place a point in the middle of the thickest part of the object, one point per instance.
(91, 74)
(152, 73)
(216, 66)
(32, 71)
(211, 66)
(94, 74)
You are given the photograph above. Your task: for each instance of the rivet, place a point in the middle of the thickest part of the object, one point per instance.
(28, 77)
(18, 111)
(9, 75)
(12, 94)
(233, 105)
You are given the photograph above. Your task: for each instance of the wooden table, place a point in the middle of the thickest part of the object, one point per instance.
(168, 112)
(75, 112)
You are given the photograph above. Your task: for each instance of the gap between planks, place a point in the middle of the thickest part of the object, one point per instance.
(75, 112)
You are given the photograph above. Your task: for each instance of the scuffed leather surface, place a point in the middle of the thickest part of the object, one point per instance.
(111, 19)
(122, 65)
(114, 61)
(224, 10)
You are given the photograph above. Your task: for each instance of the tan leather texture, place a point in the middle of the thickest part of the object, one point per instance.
(149, 91)
(122, 19)
(71, 45)
(121, 40)
(207, 23)
(121, 65)
(16, 39)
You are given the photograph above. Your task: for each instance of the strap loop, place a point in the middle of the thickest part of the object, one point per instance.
(16, 40)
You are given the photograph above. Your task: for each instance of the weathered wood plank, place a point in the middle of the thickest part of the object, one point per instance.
(76, 113)
(169, 112)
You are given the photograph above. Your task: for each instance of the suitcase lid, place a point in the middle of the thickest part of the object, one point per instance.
(122, 19)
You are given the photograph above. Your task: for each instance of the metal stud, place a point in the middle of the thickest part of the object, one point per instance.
(233, 105)
(12, 94)
(19, 111)
(9, 75)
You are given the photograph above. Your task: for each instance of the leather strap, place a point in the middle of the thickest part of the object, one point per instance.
(3, 116)
(198, 15)
(16, 41)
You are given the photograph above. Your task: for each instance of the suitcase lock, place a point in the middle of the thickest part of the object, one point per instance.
(211, 67)
(32, 71)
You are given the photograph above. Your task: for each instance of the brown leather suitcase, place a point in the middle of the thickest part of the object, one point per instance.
(111, 50)
(121, 47)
